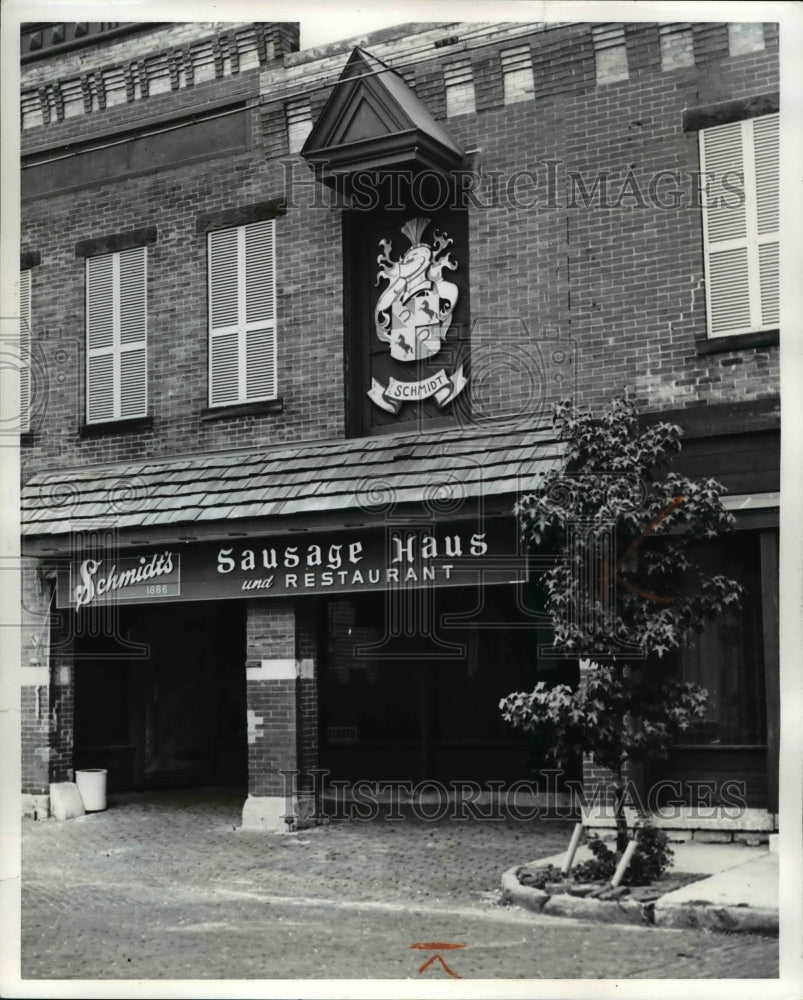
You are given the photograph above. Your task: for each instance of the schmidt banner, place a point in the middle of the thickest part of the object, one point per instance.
(289, 566)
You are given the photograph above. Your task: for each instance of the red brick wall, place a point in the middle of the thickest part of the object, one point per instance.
(623, 287)
(624, 284)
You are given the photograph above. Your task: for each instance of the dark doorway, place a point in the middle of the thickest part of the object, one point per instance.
(412, 703)
(729, 744)
(162, 703)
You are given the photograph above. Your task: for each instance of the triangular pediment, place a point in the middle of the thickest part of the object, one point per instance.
(365, 118)
(374, 121)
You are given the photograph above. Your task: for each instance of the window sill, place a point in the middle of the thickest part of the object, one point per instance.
(243, 410)
(116, 426)
(741, 341)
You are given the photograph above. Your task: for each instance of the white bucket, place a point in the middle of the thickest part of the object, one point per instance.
(92, 786)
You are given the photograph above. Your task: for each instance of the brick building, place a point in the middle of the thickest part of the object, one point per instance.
(297, 319)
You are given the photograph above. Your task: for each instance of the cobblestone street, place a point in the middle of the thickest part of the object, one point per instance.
(164, 885)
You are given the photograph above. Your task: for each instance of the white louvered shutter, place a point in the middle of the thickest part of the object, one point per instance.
(741, 234)
(224, 310)
(767, 157)
(242, 314)
(100, 340)
(116, 324)
(260, 310)
(133, 334)
(25, 351)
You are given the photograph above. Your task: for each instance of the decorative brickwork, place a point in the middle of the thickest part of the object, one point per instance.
(517, 74)
(188, 65)
(458, 82)
(677, 46)
(610, 53)
(745, 37)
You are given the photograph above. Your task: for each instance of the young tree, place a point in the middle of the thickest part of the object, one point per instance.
(624, 590)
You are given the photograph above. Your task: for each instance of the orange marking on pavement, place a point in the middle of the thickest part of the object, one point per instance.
(435, 945)
(429, 961)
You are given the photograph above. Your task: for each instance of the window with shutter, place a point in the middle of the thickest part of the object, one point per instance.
(741, 233)
(25, 351)
(117, 336)
(242, 314)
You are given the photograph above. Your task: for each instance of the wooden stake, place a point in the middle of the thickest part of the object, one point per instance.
(574, 843)
(621, 868)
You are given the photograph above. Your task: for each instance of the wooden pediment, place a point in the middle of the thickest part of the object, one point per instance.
(372, 122)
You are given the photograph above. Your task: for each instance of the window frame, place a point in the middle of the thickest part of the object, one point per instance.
(117, 348)
(243, 326)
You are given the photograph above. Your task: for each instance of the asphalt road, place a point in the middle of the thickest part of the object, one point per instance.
(163, 886)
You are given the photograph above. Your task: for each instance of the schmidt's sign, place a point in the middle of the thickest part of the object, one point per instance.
(140, 578)
(340, 563)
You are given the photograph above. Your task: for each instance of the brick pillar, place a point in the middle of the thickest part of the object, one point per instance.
(281, 698)
(62, 695)
(307, 701)
(35, 691)
(46, 701)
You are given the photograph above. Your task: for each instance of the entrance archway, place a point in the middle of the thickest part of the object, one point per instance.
(162, 702)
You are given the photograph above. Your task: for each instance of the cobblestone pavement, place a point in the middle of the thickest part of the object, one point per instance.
(164, 885)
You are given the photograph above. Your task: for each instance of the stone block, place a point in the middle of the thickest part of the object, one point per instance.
(65, 800)
(714, 818)
(713, 836)
(751, 839)
(678, 836)
(266, 813)
(36, 806)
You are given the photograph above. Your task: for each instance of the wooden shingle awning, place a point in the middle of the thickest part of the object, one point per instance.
(372, 122)
(348, 479)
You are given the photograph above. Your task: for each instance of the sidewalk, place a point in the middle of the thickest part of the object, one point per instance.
(738, 893)
(167, 885)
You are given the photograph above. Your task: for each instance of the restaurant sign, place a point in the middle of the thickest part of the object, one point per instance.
(374, 560)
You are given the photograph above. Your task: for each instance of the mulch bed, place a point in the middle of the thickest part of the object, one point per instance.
(549, 879)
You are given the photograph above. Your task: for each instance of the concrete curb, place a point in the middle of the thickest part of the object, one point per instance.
(522, 895)
(599, 911)
(745, 919)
